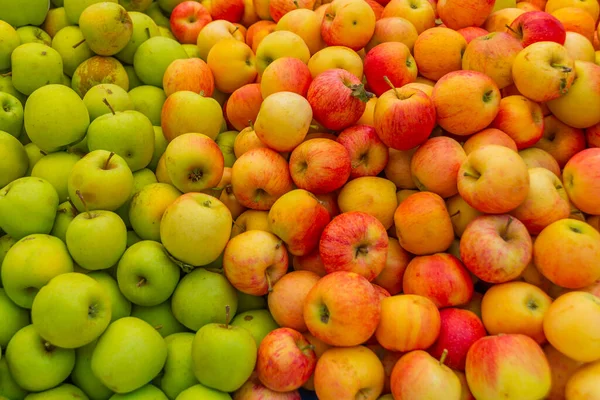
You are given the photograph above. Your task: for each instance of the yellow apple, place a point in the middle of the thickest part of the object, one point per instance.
(336, 57)
(276, 45)
(232, 63)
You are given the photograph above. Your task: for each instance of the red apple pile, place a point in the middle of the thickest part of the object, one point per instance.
(414, 187)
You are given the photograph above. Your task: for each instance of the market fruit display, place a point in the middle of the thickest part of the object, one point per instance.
(300, 199)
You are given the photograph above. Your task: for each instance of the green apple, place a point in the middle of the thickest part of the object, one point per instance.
(35, 364)
(166, 32)
(30, 264)
(27, 205)
(136, 5)
(71, 46)
(149, 101)
(13, 159)
(56, 169)
(11, 114)
(154, 11)
(247, 302)
(134, 80)
(154, 56)
(66, 80)
(103, 179)
(83, 377)
(225, 142)
(9, 389)
(200, 298)
(13, 319)
(202, 392)
(64, 215)
(132, 238)
(106, 27)
(34, 154)
(192, 50)
(33, 34)
(97, 70)
(65, 391)
(96, 98)
(74, 8)
(6, 242)
(141, 179)
(71, 311)
(96, 239)
(146, 275)
(160, 145)
(55, 21)
(168, 5)
(148, 207)
(6, 86)
(128, 355)
(127, 133)
(258, 322)
(55, 117)
(160, 317)
(24, 12)
(35, 65)
(223, 355)
(143, 29)
(9, 40)
(178, 373)
(148, 392)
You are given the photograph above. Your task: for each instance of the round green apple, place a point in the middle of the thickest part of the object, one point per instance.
(143, 29)
(160, 145)
(127, 133)
(103, 179)
(148, 392)
(84, 378)
(27, 205)
(35, 65)
(13, 319)
(96, 239)
(201, 297)
(24, 12)
(128, 355)
(146, 275)
(71, 311)
(71, 46)
(97, 70)
(8, 387)
(202, 392)
(13, 159)
(35, 364)
(160, 317)
(7, 86)
(141, 179)
(155, 12)
(34, 154)
(154, 56)
(134, 80)
(56, 169)
(55, 117)
(74, 8)
(64, 215)
(11, 114)
(178, 373)
(33, 34)
(9, 40)
(149, 101)
(6, 242)
(258, 322)
(106, 27)
(225, 142)
(192, 50)
(65, 391)
(148, 207)
(96, 98)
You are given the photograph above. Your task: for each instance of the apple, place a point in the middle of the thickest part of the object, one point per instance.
(254, 389)
(190, 74)
(247, 140)
(287, 74)
(480, 97)
(160, 317)
(567, 323)
(311, 262)
(258, 31)
(439, 51)
(535, 157)
(471, 33)
(287, 298)
(280, 8)
(510, 354)
(487, 137)
(251, 220)
(349, 23)
(305, 23)
(420, 13)
(10, 42)
(583, 382)
(579, 183)
(147, 208)
(543, 71)
(562, 368)
(579, 47)
(393, 29)
(106, 27)
(584, 94)
(592, 136)
(497, 21)
(231, 11)
(143, 29)
(537, 26)
(178, 374)
(521, 119)
(28, 356)
(575, 19)
(280, 44)
(320, 166)
(390, 278)
(441, 278)
(148, 100)
(231, 53)
(98, 70)
(349, 372)
(154, 56)
(457, 14)
(589, 6)
(14, 316)
(14, 159)
(258, 322)
(389, 62)
(359, 195)
(117, 97)
(344, 58)
(120, 306)
(35, 65)
(368, 155)
(179, 115)
(11, 114)
(342, 317)
(243, 106)
(215, 31)
(404, 118)
(423, 224)
(187, 20)
(496, 248)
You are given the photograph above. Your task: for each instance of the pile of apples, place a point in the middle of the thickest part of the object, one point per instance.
(286, 199)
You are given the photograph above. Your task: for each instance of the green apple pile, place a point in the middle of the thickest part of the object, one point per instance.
(299, 199)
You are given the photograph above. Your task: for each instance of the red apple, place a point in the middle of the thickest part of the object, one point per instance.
(348, 23)
(581, 180)
(320, 165)
(187, 20)
(390, 278)
(392, 60)
(368, 154)
(354, 241)
(243, 106)
(229, 10)
(561, 140)
(253, 389)
(459, 330)
(521, 119)
(537, 26)
(286, 74)
(338, 99)
(472, 32)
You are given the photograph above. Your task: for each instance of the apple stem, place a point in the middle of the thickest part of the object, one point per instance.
(148, 33)
(391, 85)
(506, 227)
(314, 127)
(360, 93)
(455, 214)
(269, 284)
(141, 282)
(87, 210)
(158, 327)
(112, 153)
(9, 73)
(42, 152)
(443, 357)
(296, 4)
(73, 205)
(227, 316)
(76, 45)
(237, 28)
(564, 68)
(470, 175)
(251, 124)
(511, 29)
(112, 110)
